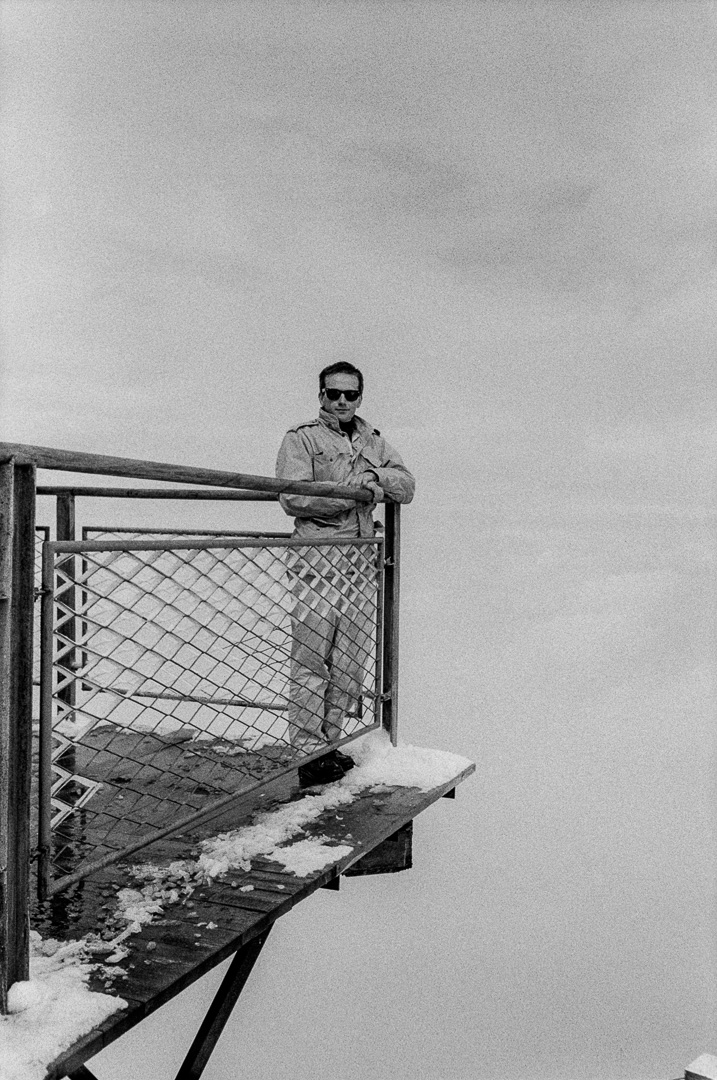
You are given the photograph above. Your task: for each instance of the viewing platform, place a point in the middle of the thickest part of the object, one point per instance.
(152, 684)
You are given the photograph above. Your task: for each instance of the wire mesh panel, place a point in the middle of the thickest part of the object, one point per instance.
(177, 674)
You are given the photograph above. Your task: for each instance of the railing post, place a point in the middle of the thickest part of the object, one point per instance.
(65, 530)
(6, 545)
(17, 556)
(65, 516)
(66, 594)
(44, 783)
(391, 616)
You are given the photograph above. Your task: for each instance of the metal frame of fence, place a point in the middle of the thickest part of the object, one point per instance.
(18, 490)
(88, 531)
(82, 645)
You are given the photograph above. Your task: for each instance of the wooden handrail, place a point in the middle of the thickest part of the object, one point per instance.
(233, 495)
(45, 457)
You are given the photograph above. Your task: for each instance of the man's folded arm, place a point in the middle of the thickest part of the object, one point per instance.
(294, 463)
(395, 479)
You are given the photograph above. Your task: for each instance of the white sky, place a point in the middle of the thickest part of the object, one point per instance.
(504, 212)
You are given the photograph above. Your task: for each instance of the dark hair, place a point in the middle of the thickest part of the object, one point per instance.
(342, 367)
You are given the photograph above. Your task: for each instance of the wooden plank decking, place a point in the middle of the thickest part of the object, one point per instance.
(146, 781)
(178, 948)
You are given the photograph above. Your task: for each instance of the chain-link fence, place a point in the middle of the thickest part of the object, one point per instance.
(177, 674)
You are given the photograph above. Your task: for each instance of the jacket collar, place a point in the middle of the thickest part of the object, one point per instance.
(330, 421)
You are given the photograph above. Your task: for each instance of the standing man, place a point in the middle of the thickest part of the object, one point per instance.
(330, 622)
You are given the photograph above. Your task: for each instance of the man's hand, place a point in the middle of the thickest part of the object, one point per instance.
(368, 480)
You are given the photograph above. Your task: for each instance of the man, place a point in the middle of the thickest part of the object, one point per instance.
(333, 616)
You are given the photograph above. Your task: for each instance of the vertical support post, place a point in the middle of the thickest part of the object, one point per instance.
(391, 617)
(17, 558)
(380, 555)
(46, 708)
(66, 695)
(65, 517)
(65, 530)
(23, 603)
(6, 550)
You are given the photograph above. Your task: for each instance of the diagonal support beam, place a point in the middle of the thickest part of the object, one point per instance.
(83, 1073)
(220, 1009)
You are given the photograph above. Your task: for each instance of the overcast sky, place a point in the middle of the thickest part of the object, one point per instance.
(504, 213)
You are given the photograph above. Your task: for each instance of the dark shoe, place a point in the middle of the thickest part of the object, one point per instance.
(322, 771)
(347, 763)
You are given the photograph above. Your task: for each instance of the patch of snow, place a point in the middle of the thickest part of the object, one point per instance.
(704, 1067)
(118, 955)
(378, 765)
(268, 835)
(137, 907)
(307, 856)
(51, 1010)
(24, 995)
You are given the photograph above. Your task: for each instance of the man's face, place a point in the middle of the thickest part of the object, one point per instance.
(342, 409)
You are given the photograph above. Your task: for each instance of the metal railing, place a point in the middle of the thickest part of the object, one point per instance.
(173, 679)
(134, 742)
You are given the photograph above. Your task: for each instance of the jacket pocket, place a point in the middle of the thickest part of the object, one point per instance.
(330, 466)
(324, 468)
(374, 459)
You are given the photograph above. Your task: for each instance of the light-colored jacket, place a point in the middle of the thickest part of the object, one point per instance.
(319, 450)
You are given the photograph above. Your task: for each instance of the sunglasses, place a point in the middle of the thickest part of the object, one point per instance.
(334, 395)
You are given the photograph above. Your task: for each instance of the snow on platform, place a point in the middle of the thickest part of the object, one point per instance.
(150, 929)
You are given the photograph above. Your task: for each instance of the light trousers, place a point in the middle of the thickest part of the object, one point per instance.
(332, 646)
